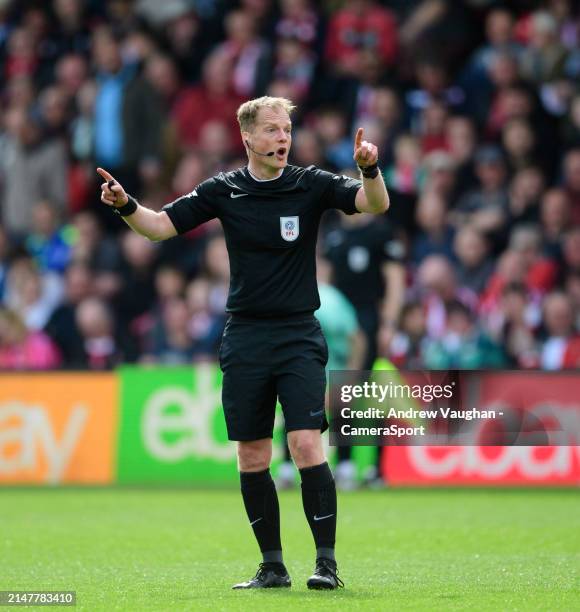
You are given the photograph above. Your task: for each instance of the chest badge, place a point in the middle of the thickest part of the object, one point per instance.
(358, 259)
(289, 228)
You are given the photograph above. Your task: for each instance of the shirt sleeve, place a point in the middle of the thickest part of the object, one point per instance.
(193, 209)
(339, 192)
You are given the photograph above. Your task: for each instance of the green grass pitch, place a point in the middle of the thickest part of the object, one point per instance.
(159, 549)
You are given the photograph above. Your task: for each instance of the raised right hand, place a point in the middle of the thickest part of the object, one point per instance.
(112, 193)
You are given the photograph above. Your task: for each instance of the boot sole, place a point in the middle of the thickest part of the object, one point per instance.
(320, 586)
(270, 586)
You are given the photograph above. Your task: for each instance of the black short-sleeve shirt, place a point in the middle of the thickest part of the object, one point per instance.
(270, 229)
(358, 253)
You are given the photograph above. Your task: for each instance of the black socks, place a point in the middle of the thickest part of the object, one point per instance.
(261, 502)
(319, 501)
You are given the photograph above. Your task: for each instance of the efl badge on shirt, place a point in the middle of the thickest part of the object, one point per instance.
(289, 228)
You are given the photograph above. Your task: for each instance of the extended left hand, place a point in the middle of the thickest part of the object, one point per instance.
(365, 153)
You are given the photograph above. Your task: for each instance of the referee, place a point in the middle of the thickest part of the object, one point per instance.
(272, 345)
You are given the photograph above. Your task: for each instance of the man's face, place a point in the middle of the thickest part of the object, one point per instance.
(272, 132)
(559, 316)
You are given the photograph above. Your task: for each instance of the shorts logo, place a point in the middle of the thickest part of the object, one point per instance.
(289, 228)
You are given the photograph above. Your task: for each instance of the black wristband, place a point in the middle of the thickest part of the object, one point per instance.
(126, 209)
(370, 171)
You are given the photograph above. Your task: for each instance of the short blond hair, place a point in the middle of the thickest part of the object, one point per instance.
(248, 111)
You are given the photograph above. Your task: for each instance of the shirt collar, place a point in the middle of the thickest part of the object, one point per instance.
(259, 180)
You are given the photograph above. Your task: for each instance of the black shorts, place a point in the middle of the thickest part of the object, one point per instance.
(266, 359)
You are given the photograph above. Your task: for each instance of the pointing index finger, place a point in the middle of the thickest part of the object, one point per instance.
(105, 174)
(358, 138)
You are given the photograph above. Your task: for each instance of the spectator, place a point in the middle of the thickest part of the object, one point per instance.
(72, 33)
(53, 111)
(261, 12)
(21, 56)
(169, 283)
(555, 220)
(331, 127)
(100, 345)
(127, 119)
(294, 64)
(499, 32)
(62, 326)
(214, 99)
(161, 72)
(205, 325)
(431, 127)
(385, 108)
(509, 99)
(32, 295)
(436, 286)
(435, 235)
(171, 343)
(561, 344)
(519, 143)
(307, 148)
(403, 175)
(298, 21)
(190, 171)
(438, 174)
(405, 348)
(216, 266)
(356, 95)
(20, 92)
(545, 56)
(525, 193)
(32, 169)
(541, 272)
(461, 141)
(248, 54)
(462, 346)
(474, 265)
(215, 146)
(485, 207)
(100, 252)
(360, 25)
(71, 72)
(510, 268)
(187, 37)
(433, 80)
(82, 128)
(22, 349)
(137, 293)
(516, 322)
(49, 243)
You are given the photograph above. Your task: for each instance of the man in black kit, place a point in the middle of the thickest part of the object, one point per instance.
(272, 345)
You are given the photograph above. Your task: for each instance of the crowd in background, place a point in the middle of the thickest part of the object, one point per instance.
(475, 108)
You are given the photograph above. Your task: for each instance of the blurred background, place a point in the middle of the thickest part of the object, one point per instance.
(475, 108)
